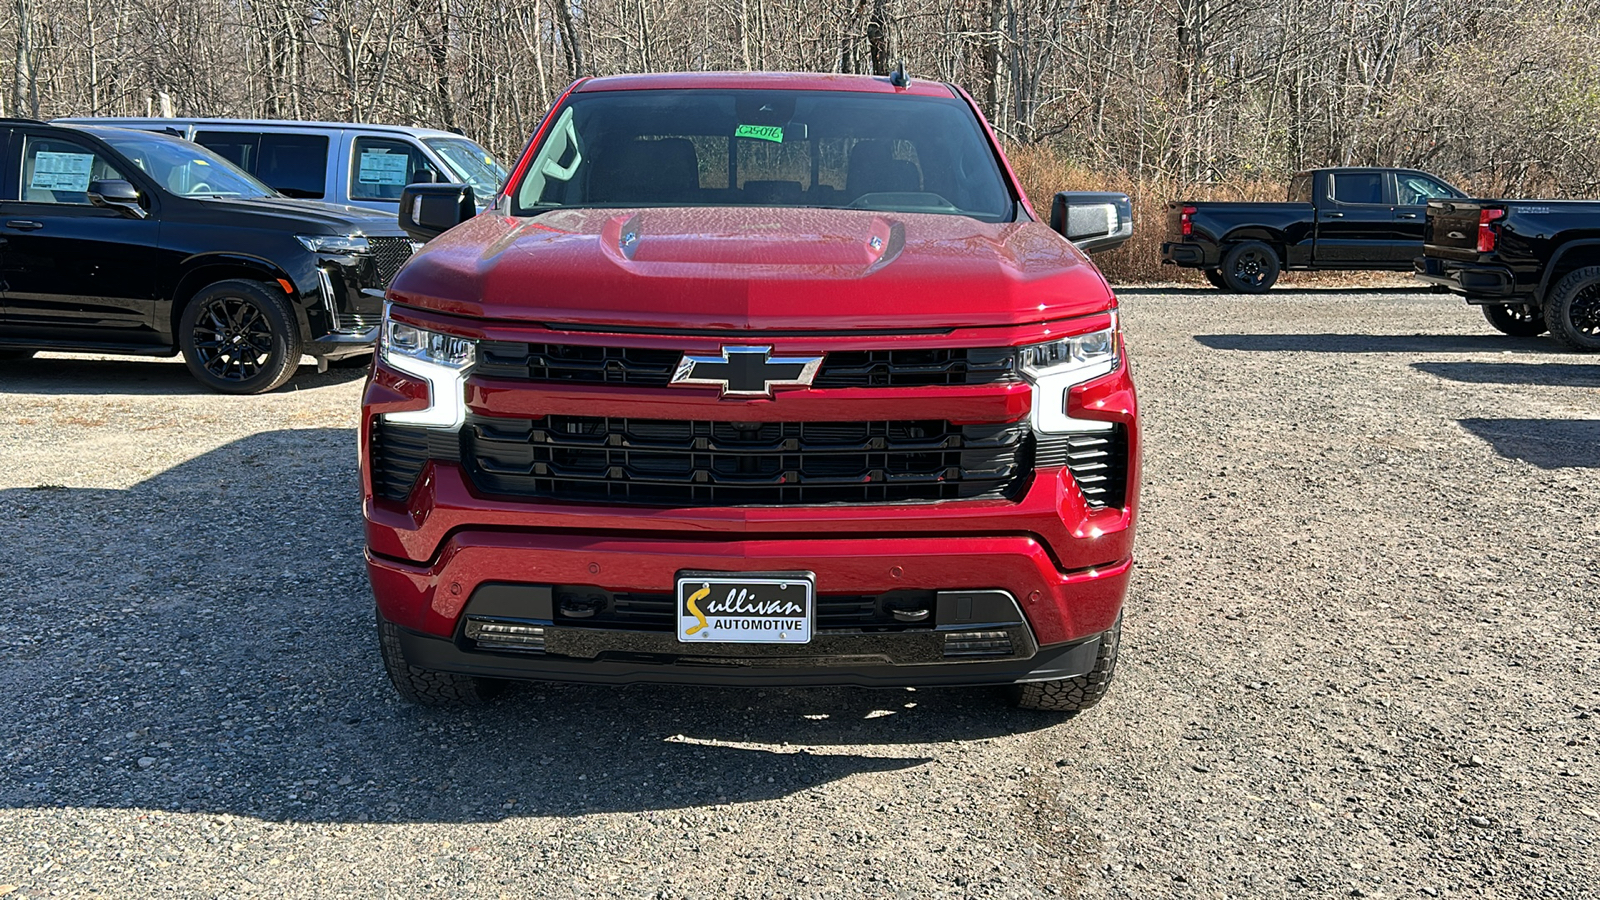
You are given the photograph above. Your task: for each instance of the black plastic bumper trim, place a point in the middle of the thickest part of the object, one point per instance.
(444, 655)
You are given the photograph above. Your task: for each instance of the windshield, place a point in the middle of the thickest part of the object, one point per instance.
(470, 163)
(827, 149)
(185, 169)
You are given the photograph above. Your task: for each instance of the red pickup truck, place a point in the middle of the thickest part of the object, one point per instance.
(753, 380)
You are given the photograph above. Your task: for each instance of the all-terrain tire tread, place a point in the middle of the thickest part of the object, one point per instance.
(1074, 695)
(426, 687)
(1555, 307)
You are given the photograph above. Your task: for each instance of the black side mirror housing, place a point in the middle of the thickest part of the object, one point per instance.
(118, 195)
(429, 210)
(1094, 220)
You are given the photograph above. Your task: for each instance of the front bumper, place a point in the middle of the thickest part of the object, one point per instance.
(343, 344)
(673, 667)
(1479, 283)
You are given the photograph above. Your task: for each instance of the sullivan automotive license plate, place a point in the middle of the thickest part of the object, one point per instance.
(766, 608)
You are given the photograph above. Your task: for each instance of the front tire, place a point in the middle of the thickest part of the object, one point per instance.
(426, 687)
(1074, 695)
(1572, 311)
(239, 337)
(1515, 319)
(1215, 277)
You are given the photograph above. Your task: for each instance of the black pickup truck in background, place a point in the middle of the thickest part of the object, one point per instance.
(1351, 218)
(1533, 265)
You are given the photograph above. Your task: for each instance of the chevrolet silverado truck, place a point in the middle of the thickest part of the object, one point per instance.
(1351, 218)
(1531, 265)
(753, 380)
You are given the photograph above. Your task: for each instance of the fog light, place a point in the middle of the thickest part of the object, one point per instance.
(977, 643)
(490, 634)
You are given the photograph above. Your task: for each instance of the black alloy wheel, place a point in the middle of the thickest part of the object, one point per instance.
(240, 337)
(1515, 319)
(1572, 311)
(1251, 268)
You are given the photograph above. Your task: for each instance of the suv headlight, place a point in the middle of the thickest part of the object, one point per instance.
(441, 360)
(1055, 367)
(334, 243)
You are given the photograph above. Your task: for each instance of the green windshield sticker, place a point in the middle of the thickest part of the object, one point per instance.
(772, 133)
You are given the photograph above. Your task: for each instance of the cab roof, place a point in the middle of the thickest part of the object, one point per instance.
(766, 81)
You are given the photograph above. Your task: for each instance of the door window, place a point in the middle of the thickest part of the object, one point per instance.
(237, 147)
(1358, 187)
(57, 171)
(1417, 190)
(380, 168)
(295, 164)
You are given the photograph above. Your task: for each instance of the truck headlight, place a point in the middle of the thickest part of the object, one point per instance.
(441, 360)
(334, 243)
(1056, 366)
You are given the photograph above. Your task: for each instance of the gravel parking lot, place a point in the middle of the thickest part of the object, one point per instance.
(1362, 658)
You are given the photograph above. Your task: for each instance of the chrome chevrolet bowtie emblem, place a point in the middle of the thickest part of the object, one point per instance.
(747, 371)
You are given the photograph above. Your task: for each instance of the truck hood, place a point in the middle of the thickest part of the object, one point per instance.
(752, 269)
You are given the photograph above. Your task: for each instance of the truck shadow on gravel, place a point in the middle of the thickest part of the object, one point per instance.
(45, 375)
(1531, 374)
(1376, 343)
(203, 641)
(1546, 443)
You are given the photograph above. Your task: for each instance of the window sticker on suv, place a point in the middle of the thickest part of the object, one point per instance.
(61, 171)
(382, 167)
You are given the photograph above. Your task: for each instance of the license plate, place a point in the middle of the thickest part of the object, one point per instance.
(776, 608)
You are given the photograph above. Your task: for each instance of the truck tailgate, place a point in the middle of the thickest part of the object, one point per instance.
(1451, 231)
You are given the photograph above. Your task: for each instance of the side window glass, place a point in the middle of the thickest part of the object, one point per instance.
(380, 168)
(1358, 187)
(295, 164)
(235, 147)
(56, 171)
(1417, 191)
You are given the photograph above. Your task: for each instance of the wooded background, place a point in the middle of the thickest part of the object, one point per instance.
(1198, 97)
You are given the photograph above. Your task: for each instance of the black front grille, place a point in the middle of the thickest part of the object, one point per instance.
(576, 363)
(583, 364)
(1098, 461)
(696, 463)
(388, 255)
(600, 608)
(915, 368)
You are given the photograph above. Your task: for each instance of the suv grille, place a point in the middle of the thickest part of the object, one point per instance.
(662, 462)
(1098, 461)
(388, 255)
(583, 364)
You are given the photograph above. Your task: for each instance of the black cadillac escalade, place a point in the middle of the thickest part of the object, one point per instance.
(120, 241)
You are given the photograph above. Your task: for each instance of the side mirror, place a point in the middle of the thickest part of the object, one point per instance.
(1094, 220)
(429, 210)
(118, 195)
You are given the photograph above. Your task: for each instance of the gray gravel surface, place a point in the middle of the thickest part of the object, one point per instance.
(1361, 658)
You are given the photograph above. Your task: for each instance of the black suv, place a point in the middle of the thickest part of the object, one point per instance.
(121, 241)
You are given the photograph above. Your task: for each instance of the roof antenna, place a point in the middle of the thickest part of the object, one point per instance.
(898, 77)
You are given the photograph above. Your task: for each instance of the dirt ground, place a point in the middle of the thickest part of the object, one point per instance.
(1361, 659)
